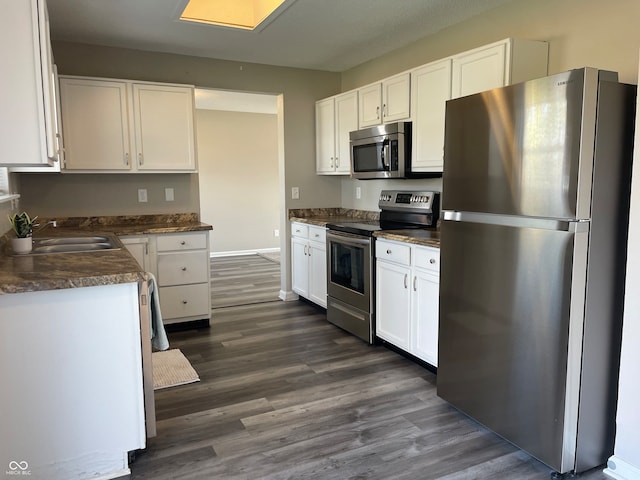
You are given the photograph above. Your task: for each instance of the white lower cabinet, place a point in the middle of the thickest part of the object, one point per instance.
(309, 262)
(181, 264)
(407, 290)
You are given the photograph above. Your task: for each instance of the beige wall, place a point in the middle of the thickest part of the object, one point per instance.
(238, 177)
(580, 33)
(79, 195)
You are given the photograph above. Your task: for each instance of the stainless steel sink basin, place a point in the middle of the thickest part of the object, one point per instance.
(75, 244)
(71, 247)
(70, 240)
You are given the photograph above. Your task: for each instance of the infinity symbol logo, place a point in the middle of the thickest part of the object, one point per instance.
(13, 465)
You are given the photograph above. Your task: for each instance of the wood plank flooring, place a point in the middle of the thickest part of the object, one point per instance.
(244, 279)
(286, 395)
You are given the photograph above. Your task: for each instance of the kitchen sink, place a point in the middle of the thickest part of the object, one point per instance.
(75, 244)
(71, 240)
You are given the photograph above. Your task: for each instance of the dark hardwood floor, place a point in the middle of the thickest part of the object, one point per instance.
(286, 395)
(245, 279)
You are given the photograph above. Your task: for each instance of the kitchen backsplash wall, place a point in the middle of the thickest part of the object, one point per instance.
(370, 190)
(73, 195)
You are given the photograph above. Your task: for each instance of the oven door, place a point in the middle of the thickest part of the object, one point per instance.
(375, 157)
(349, 269)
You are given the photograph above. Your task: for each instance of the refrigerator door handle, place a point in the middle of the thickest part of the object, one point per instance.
(559, 224)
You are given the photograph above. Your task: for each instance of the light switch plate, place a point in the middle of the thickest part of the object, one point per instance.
(295, 193)
(168, 194)
(142, 195)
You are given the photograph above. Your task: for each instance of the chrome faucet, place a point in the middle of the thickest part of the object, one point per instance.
(41, 226)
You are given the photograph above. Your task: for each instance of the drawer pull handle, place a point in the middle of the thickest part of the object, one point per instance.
(405, 280)
(432, 261)
(415, 288)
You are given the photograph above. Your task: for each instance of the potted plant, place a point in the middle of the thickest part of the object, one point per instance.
(22, 226)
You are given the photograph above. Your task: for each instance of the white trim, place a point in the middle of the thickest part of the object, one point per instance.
(8, 197)
(621, 470)
(233, 253)
(288, 296)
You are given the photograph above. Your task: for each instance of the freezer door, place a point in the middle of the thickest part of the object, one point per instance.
(506, 343)
(521, 149)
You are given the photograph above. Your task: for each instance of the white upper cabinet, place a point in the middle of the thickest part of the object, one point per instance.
(497, 65)
(95, 117)
(430, 90)
(164, 117)
(124, 126)
(335, 118)
(27, 108)
(387, 101)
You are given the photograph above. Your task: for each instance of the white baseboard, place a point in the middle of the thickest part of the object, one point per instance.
(288, 296)
(234, 253)
(621, 470)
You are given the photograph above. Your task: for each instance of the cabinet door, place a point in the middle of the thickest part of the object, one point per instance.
(138, 247)
(430, 90)
(25, 113)
(424, 316)
(479, 70)
(95, 124)
(346, 121)
(318, 273)
(163, 118)
(396, 98)
(369, 105)
(325, 136)
(300, 266)
(392, 303)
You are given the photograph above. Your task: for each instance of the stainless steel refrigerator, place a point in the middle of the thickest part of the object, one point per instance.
(533, 244)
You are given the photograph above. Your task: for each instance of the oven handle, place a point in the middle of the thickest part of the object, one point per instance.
(348, 239)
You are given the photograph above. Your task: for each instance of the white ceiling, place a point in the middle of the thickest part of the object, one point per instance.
(332, 35)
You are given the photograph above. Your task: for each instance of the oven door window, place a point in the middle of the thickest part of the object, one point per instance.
(348, 266)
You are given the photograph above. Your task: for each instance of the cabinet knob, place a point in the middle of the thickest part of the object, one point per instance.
(432, 261)
(183, 243)
(184, 269)
(388, 251)
(184, 302)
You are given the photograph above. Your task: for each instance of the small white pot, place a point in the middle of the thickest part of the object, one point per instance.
(22, 245)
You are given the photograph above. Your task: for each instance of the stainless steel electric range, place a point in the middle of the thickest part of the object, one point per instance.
(351, 257)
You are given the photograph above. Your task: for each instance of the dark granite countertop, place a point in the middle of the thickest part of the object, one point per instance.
(415, 236)
(29, 273)
(322, 216)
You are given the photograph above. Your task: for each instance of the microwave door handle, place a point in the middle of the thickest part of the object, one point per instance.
(384, 154)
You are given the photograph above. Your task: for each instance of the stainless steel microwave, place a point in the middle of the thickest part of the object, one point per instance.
(383, 151)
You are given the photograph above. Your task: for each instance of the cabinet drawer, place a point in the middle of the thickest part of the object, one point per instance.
(184, 301)
(427, 258)
(182, 241)
(393, 252)
(299, 230)
(318, 234)
(182, 268)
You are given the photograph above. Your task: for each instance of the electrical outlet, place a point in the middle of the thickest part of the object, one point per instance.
(168, 194)
(276, 233)
(358, 193)
(295, 193)
(142, 195)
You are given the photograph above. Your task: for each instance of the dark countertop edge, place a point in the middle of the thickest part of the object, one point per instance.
(86, 281)
(425, 238)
